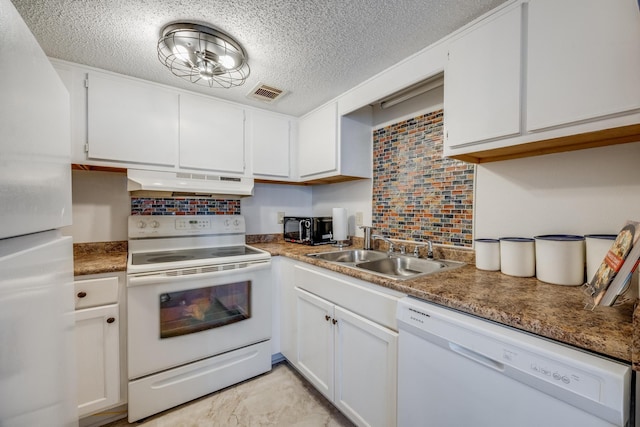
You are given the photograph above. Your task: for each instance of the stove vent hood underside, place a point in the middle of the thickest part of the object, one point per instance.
(180, 183)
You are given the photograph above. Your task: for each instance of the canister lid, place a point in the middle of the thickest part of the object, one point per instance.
(487, 240)
(601, 236)
(517, 239)
(560, 237)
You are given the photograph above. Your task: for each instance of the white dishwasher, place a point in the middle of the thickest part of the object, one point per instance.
(459, 370)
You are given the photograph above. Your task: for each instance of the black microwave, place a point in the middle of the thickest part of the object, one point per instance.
(309, 230)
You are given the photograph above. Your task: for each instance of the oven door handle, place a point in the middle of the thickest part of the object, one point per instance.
(187, 274)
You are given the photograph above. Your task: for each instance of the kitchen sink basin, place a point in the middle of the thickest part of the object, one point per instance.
(402, 266)
(394, 266)
(353, 256)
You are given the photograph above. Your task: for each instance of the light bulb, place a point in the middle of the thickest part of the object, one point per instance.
(205, 70)
(182, 53)
(227, 61)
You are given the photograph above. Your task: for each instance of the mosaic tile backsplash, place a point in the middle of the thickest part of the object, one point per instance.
(184, 206)
(417, 193)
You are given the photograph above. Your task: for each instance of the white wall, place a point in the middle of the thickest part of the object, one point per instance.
(581, 192)
(355, 196)
(101, 206)
(261, 210)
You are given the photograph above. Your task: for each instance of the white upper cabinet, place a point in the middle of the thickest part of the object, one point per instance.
(482, 81)
(270, 137)
(334, 148)
(318, 142)
(544, 76)
(583, 60)
(211, 135)
(131, 122)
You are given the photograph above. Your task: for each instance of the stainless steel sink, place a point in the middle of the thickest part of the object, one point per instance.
(350, 256)
(402, 266)
(397, 267)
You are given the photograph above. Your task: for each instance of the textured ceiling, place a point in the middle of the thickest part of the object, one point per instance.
(313, 49)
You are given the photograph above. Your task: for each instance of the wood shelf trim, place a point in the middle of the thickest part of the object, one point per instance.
(78, 167)
(601, 138)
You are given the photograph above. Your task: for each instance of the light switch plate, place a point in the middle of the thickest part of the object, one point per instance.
(358, 219)
(280, 217)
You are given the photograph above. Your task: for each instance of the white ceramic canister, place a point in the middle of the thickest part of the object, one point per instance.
(597, 247)
(560, 259)
(517, 256)
(487, 254)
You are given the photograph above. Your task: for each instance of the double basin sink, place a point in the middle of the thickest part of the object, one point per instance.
(393, 266)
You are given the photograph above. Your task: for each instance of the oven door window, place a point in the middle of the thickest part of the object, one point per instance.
(195, 310)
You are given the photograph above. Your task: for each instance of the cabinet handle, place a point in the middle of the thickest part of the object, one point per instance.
(82, 294)
(326, 317)
(111, 319)
(334, 321)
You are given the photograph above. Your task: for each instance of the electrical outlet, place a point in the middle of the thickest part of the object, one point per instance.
(280, 217)
(358, 219)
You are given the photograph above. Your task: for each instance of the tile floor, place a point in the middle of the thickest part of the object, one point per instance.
(278, 398)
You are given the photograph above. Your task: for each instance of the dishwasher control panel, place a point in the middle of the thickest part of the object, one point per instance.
(549, 370)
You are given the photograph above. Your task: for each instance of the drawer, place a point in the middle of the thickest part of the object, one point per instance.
(93, 292)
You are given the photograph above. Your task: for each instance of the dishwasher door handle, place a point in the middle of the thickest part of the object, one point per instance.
(477, 357)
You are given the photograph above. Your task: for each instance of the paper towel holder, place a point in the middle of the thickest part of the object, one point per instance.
(340, 227)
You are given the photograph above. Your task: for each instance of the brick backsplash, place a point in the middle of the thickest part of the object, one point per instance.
(417, 193)
(184, 206)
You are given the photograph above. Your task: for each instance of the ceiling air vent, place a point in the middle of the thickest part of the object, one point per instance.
(266, 93)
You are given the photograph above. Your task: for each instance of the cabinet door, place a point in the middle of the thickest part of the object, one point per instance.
(131, 122)
(583, 60)
(314, 339)
(97, 358)
(318, 139)
(366, 370)
(482, 81)
(211, 135)
(270, 145)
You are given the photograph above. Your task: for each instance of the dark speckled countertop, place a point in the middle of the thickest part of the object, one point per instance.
(101, 257)
(552, 311)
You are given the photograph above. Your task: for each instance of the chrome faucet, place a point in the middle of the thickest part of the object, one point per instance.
(429, 249)
(384, 239)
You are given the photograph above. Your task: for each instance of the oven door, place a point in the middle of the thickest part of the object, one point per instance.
(176, 318)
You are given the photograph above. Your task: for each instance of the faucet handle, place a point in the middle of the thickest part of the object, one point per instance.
(416, 249)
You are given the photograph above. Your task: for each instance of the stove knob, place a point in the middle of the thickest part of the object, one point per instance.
(236, 222)
(227, 222)
(142, 224)
(155, 224)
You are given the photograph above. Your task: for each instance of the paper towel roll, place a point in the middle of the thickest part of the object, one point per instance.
(339, 224)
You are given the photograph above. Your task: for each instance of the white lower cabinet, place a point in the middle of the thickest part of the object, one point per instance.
(97, 358)
(349, 359)
(347, 355)
(99, 323)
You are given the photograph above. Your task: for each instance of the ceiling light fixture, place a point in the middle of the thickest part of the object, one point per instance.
(203, 55)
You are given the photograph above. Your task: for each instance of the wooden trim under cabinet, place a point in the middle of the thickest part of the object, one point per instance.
(77, 167)
(601, 138)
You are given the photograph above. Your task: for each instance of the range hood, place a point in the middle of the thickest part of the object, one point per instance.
(180, 183)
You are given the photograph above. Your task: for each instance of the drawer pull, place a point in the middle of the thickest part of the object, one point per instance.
(111, 319)
(82, 294)
(326, 317)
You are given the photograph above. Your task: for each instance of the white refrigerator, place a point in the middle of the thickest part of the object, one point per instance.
(37, 366)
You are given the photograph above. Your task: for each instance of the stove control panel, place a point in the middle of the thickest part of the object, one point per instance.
(142, 226)
(192, 224)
